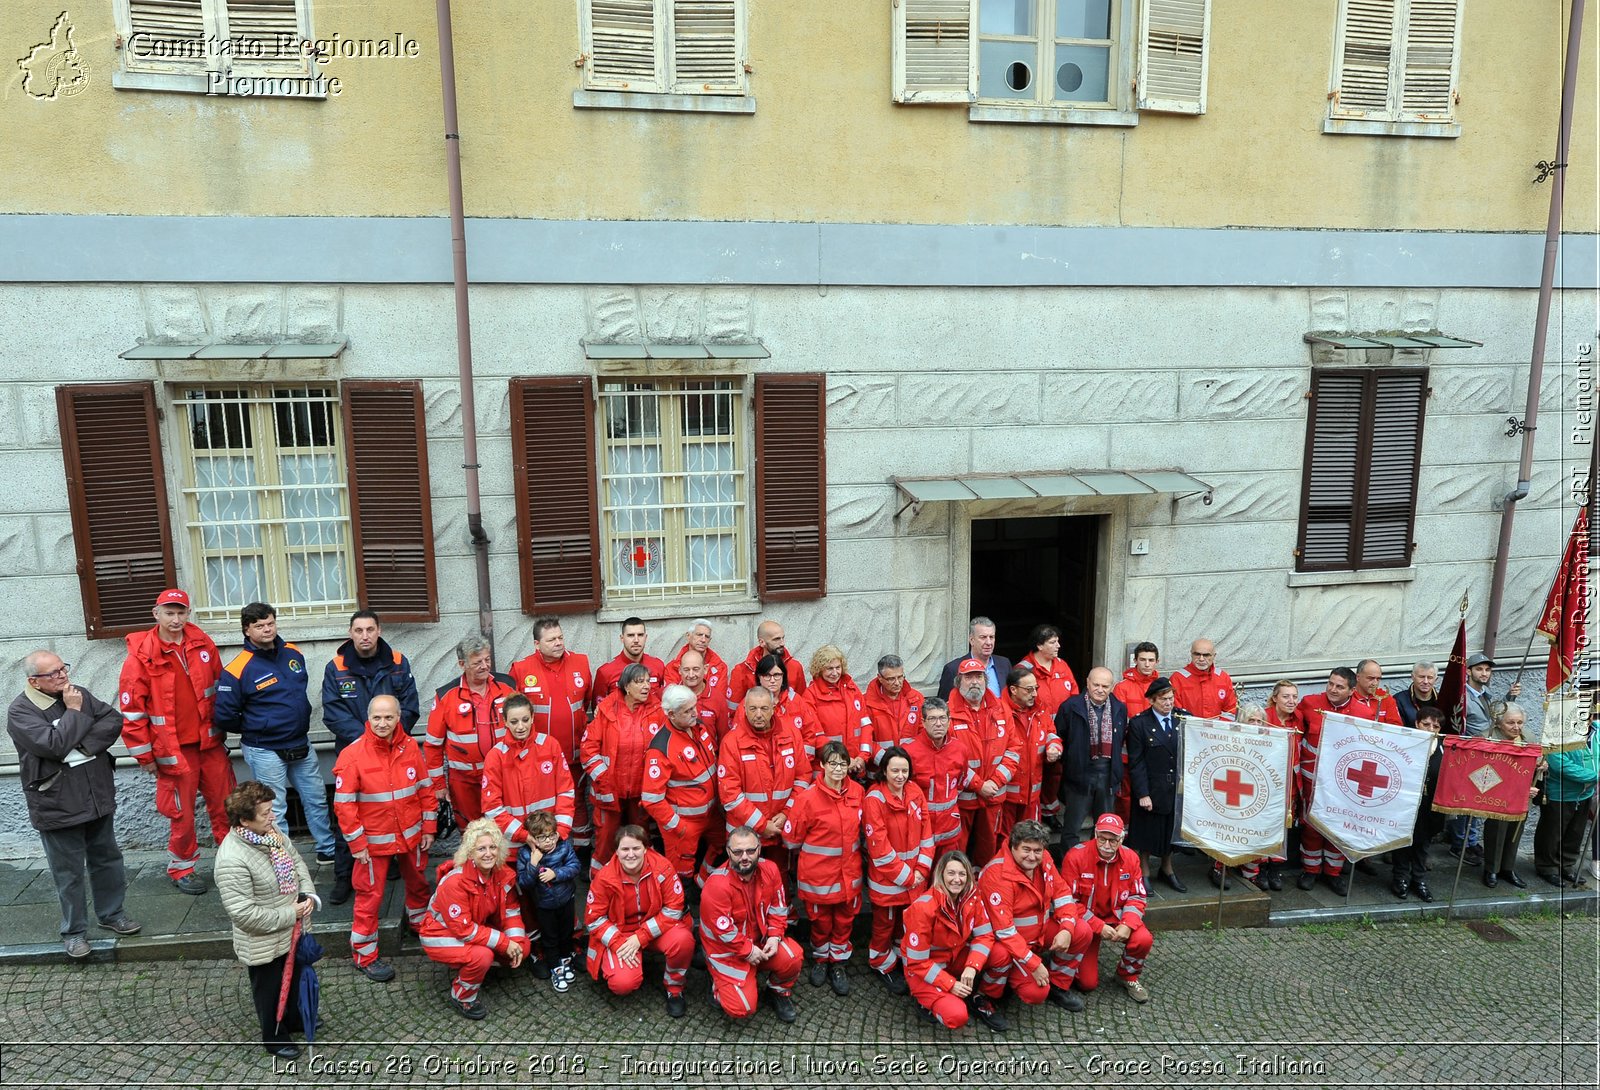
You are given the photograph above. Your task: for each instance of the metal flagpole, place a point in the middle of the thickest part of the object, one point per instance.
(1460, 862)
(1222, 885)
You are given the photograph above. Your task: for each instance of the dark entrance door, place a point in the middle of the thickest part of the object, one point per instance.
(1032, 571)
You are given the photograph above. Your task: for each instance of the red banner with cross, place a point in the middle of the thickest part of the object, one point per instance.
(1235, 789)
(1370, 778)
(1485, 779)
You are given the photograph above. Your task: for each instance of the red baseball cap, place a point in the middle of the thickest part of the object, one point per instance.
(172, 597)
(970, 666)
(1109, 823)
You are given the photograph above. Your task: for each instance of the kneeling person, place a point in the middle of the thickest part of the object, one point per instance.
(742, 921)
(1035, 919)
(475, 917)
(635, 904)
(1108, 883)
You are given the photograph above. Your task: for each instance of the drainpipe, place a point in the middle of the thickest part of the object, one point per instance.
(458, 252)
(1541, 326)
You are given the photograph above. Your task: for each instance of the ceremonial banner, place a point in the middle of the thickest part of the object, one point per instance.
(1566, 723)
(1566, 608)
(1485, 779)
(1369, 784)
(1451, 695)
(1235, 788)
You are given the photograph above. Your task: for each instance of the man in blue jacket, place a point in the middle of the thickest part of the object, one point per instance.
(365, 666)
(261, 696)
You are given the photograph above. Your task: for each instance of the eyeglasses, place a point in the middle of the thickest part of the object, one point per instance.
(742, 852)
(59, 671)
(836, 764)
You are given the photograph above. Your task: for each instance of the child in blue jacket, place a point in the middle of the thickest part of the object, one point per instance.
(547, 872)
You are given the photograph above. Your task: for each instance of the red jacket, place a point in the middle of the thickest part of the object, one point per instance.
(149, 696)
(1311, 710)
(382, 796)
(1296, 725)
(743, 678)
(1056, 682)
(894, 721)
(942, 773)
(715, 678)
(1020, 906)
(757, 775)
(737, 915)
(610, 673)
(938, 932)
(715, 716)
(989, 736)
(619, 906)
(562, 694)
(524, 780)
(1130, 690)
(824, 827)
(614, 746)
(471, 908)
(1206, 694)
(452, 737)
(1034, 737)
(1381, 708)
(1109, 893)
(899, 835)
(834, 713)
(680, 776)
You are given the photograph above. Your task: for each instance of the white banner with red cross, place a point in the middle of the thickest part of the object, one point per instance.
(1369, 784)
(1236, 789)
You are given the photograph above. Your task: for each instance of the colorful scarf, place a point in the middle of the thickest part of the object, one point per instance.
(282, 858)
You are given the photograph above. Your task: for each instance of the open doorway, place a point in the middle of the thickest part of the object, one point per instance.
(1032, 571)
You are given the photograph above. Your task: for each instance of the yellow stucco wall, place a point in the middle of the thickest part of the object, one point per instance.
(826, 143)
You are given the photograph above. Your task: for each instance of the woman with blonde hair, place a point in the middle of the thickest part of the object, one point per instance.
(475, 917)
(1501, 837)
(832, 709)
(948, 941)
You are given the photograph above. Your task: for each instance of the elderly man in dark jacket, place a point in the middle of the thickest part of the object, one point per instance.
(1091, 725)
(62, 735)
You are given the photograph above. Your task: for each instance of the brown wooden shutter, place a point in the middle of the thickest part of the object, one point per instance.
(387, 450)
(1395, 457)
(791, 478)
(558, 517)
(117, 491)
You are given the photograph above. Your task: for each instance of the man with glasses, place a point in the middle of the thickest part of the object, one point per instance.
(1204, 690)
(62, 735)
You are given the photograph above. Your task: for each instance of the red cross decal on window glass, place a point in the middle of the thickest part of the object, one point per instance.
(1233, 788)
(641, 557)
(1366, 778)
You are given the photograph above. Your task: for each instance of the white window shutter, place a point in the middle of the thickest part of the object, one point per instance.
(165, 36)
(623, 40)
(935, 45)
(707, 56)
(1364, 59)
(1429, 66)
(1174, 55)
(266, 37)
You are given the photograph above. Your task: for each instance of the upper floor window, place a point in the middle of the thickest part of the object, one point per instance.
(218, 47)
(663, 47)
(1049, 51)
(1396, 68)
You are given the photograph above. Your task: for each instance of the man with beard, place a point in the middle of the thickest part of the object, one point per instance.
(742, 920)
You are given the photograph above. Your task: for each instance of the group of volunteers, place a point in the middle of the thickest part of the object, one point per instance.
(697, 801)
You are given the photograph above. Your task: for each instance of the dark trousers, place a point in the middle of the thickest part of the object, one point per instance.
(1500, 839)
(555, 931)
(92, 844)
(1558, 838)
(1411, 862)
(342, 860)
(265, 983)
(1093, 801)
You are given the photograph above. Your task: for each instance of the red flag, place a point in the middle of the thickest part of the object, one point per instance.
(1563, 621)
(1452, 692)
(1485, 779)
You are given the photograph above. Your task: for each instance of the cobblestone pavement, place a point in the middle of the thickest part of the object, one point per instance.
(1426, 1004)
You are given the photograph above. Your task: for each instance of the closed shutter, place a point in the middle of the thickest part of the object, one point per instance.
(1428, 79)
(1174, 49)
(706, 53)
(117, 492)
(1396, 455)
(558, 531)
(935, 48)
(1365, 58)
(791, 478)
(265, 36)
(1332, 470)
(386, 443)
(623, 44)
(165, 36)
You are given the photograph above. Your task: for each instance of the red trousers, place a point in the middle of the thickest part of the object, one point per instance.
(466, 796)
(830, 929)
(1317, 856)
(682, 844)
(980, 831)
(733, 979)
(949, 1008)
(1050, 790)
(1129, 966)
(888, 925)
(582, 813)
(210, 774)
(676, 944)
(368, 880)
(1061, 967)
(471, 963)
(606, 825)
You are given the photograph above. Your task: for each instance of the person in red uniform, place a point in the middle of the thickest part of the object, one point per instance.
(1038, 748)
(824, 828)
(714, 672)
(1283, 710)
(475, 917)
(1137, 678)
(524, 773)
(742, 920)
(1034, 917)
(1107, 882)
(1318, 856)
(769, 641)
(463, 725)
(711, 703)
(608, 678)
(1378, 705)
(760, 765)
(898, 829)
(948, 941)
(1204, 688)
(560, 688)
(831, 709)
(1056, 685)
(168, 686)
(978, 718)
(635, 904)
(943, 767)
(613, 755)
(894, 707)
(386, 810)
(680, 788)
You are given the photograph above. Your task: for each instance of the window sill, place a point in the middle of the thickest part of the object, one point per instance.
(1051, 115)
(1352, 127)
(224, 85)
(690, 104)
(1348, 578)
(683, 606)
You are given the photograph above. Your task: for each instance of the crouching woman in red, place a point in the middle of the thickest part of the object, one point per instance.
(475, 916)
(635, 904)
(1106, 880)
(948, 942)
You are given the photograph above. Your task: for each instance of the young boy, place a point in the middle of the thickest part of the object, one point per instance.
(1411, 862)
(547, 871)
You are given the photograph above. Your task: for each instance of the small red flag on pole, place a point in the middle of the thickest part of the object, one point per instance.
(1564, 620)
(1453, 687)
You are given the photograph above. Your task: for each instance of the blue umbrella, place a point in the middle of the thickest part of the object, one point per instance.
(306, 951)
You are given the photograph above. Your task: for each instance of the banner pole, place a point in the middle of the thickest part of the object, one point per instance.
(1220, 887)
(1460, 861)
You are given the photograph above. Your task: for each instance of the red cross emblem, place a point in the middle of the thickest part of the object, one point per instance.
(1366, 778)
(1233, 789)
(641, 557)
